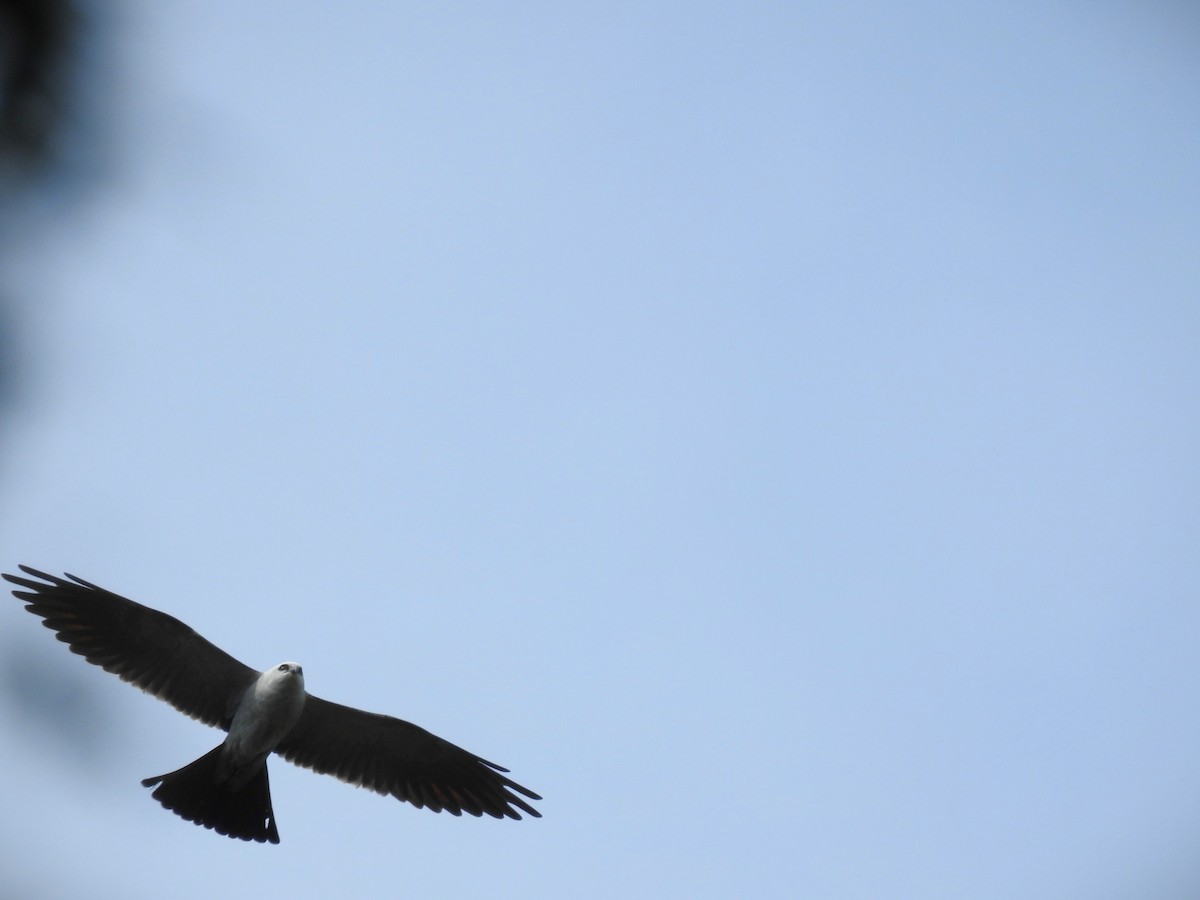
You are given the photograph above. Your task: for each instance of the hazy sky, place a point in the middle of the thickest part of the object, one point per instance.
(770, 429)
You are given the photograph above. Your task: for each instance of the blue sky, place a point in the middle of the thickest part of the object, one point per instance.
(769, 429)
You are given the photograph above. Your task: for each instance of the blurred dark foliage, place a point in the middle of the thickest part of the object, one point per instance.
(64, 707)
(38, 40)
(49, 122)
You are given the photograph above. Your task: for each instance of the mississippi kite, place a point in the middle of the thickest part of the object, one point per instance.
(227, 788)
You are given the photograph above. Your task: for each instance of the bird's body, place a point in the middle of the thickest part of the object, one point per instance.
(268, 710)
(227, 789)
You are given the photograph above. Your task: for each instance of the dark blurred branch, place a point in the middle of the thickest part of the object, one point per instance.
(49, 151)
(40, 56)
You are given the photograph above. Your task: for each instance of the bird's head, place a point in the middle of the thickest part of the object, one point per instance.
(284, 672)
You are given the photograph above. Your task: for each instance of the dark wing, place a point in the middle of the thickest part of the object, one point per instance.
(393, 757)
(143, 646)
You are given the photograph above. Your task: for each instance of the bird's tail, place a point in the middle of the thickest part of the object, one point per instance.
(198, 793)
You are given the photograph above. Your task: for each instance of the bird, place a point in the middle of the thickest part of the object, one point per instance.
(227, 789)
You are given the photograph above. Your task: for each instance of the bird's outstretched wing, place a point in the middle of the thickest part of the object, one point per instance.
(143, 646)
(390, 756)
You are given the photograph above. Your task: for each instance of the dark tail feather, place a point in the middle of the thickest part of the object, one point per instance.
(194, 793)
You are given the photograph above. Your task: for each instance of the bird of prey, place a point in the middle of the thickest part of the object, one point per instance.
(226, 789)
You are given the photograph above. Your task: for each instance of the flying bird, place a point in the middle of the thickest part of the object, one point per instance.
(227, 789)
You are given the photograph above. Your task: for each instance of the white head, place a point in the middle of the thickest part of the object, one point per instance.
(280, 686)
(283, 680)
(285, 671)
